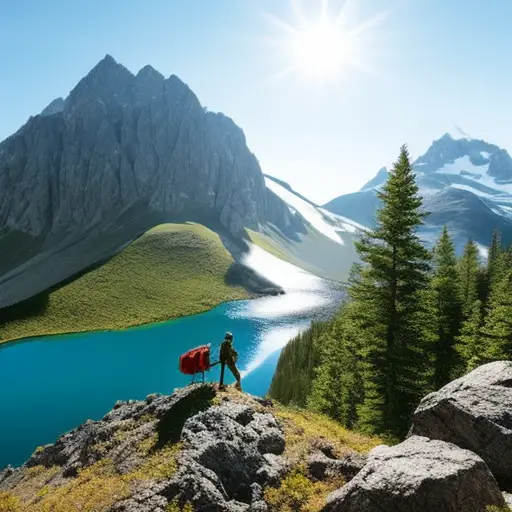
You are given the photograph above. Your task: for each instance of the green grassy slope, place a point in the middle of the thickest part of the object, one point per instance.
(171, 271)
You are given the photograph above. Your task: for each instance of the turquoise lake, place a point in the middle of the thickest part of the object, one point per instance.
(50, 385)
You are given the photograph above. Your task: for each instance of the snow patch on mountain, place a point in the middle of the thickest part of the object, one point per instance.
(478, 173)
(346, 224)
(307, 210)
(280, 272)
(462, 164)
(471, 189)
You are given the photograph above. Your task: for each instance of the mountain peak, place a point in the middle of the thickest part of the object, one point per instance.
(108, 59)
(108, 64)
(150, 72)
(379, 179)
(106, 79)
(57, 105)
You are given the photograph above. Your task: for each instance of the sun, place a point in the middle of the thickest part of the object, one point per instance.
(319, 50)
(325, 47)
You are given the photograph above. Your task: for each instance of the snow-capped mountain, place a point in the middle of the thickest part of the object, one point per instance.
(466, 183)
(326, 248)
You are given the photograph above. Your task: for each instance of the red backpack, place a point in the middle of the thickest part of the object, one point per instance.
(195, 361)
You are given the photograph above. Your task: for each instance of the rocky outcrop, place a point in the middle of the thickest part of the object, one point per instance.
(123, 153)
(419, 475)
(473, 412)
(228, 453)
(232, 453)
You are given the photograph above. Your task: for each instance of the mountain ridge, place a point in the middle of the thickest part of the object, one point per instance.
(481, 169)
(121, 154)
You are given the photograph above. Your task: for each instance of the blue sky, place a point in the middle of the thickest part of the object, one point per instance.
(432, 64)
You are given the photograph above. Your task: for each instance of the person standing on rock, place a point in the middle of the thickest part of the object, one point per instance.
(228, 357)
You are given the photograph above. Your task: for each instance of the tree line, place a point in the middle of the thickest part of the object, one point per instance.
(414, 319)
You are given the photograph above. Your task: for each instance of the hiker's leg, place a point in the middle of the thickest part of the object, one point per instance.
(236, 374)
(221, 381)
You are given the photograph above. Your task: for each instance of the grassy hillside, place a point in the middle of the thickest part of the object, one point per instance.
(171, 271)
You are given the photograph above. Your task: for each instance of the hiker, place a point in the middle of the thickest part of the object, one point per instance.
(228, 357)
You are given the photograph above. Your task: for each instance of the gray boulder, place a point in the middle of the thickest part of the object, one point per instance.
(419, 475)
(232, 453)
(321, 467)
(473, 412)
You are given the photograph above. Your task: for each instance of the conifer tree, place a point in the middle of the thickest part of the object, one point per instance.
(495, 260)
(387, 307)
(447, 308)
(497, 331)
(469, 275)
(336, 390)
(494, 254)
(469, 344)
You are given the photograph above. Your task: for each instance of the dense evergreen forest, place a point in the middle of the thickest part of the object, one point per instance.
(414, 320)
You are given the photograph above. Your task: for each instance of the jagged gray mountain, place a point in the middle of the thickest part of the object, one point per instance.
(466, 184)
(56, 106)
(120, 154)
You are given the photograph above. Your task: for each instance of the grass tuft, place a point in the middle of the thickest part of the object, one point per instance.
(9, 502)
(298, 493)
(302, 428)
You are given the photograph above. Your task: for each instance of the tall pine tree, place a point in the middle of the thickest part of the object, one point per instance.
(447, 308)
(336, 390)
(494, 255)
(469, 344)
(387, 307)
(495, 261)
(469, 278)
(497, 331)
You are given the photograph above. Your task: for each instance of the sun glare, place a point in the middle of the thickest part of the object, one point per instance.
(319, 49)
(325, 47)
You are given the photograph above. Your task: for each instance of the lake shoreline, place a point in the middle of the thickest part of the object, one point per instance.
(148, 324)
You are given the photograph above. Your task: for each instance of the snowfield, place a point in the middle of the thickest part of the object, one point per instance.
(480, 171)
(345, 224)
(323, 221)
(308, 211)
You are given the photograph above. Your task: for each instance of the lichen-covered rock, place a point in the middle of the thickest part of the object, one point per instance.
(473, 412)
(419, 475)
(236, 446)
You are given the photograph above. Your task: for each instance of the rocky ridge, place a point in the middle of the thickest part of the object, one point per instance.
(198, 447)
(204, 450)
(465, 184)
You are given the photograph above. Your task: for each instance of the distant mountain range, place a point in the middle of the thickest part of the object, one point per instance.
(466, 184)
(123, 153)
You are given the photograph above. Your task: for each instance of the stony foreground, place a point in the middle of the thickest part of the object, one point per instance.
(203, 450)
(196, 449)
